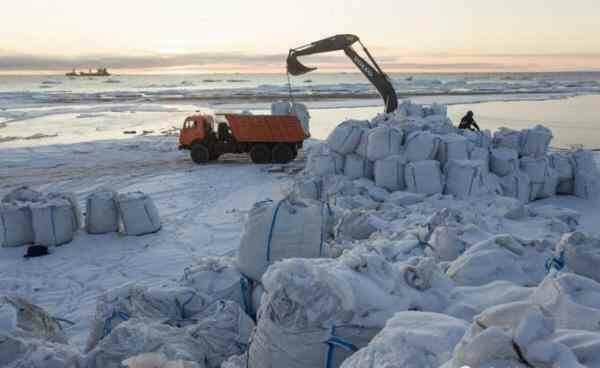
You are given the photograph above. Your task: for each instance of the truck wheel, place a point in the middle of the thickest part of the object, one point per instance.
(260, 154)
(283, 153)
(200, 154)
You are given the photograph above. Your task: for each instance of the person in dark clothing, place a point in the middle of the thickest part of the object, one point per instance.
(467, 122)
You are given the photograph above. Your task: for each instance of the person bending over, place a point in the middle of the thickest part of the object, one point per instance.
(467, 122)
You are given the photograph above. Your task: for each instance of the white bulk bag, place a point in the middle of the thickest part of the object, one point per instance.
(503, 161)
(389, 173)
(543, 178)
(465, 178)
(535, 141)
(501, 257)
(345, 137)
(492, 182)
(383, 142)
(138, 214)
(101, 214)
(584, 161)
(301, 111)
(75, 209)
(587, 176)
(516, 185)
(587, 186)
(411, 339)
(134, 337)
(16, 228)
(481, 154)
(571, 299)
(356, 167)
(23, 194)
(353, 202)
(445, 244)
(482, 139)
(508, 138)
(361, 149)
(279, 230)
(564, 165)
(53, 222)
(439, 109)
(218, 278)
(133, 301)
(308, 188)
(324, 161)
(452, 147)
(355, 225)
(408, 108)
(224, 330)
(281, 108)
(580, 254)
(424, 177)
(421, 146)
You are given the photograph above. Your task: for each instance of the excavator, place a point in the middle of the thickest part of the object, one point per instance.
(269, 138)
(344, 42)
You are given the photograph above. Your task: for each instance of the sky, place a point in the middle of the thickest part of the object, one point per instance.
(178, 36)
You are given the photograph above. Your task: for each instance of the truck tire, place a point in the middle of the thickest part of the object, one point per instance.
(200, 154)
(260, 154)
(282, 153)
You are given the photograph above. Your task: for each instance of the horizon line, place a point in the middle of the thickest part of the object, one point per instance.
(140, 72)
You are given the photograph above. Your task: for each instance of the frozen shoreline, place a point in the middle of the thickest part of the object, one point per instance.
(202, 209)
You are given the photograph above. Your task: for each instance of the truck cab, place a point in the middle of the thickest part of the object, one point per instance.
(196, 128)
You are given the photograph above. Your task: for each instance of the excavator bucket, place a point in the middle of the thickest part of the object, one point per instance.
(294, 67)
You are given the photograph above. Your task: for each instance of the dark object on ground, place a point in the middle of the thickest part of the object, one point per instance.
(36, 251)
(130, 132)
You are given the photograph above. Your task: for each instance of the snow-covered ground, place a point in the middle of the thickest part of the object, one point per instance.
(202, 209)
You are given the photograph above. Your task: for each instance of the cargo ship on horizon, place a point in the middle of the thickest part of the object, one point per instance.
(101, 72)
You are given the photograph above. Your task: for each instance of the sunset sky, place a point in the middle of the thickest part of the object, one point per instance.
(253, 36)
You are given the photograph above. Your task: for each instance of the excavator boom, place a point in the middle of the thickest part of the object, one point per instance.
(344, 42)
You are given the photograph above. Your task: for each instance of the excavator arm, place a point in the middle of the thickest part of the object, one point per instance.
(344, 42)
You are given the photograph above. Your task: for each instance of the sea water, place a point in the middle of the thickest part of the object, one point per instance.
(568, 103)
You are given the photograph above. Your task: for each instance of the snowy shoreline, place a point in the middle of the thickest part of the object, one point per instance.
(204, 209)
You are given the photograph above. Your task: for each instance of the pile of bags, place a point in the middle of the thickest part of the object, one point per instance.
(134, 213)
(417, 149)
(31, 217)
(200, 324)
(52, 219)
(317, 312)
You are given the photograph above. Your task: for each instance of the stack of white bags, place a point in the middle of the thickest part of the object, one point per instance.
(31, 217)
(417, 149)
(52, 219)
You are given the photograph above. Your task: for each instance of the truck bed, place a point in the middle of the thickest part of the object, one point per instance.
(266, 128)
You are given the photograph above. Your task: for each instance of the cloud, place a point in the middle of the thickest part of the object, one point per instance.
(20, 62)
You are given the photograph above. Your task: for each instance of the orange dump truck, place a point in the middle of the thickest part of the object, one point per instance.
(267, 138)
